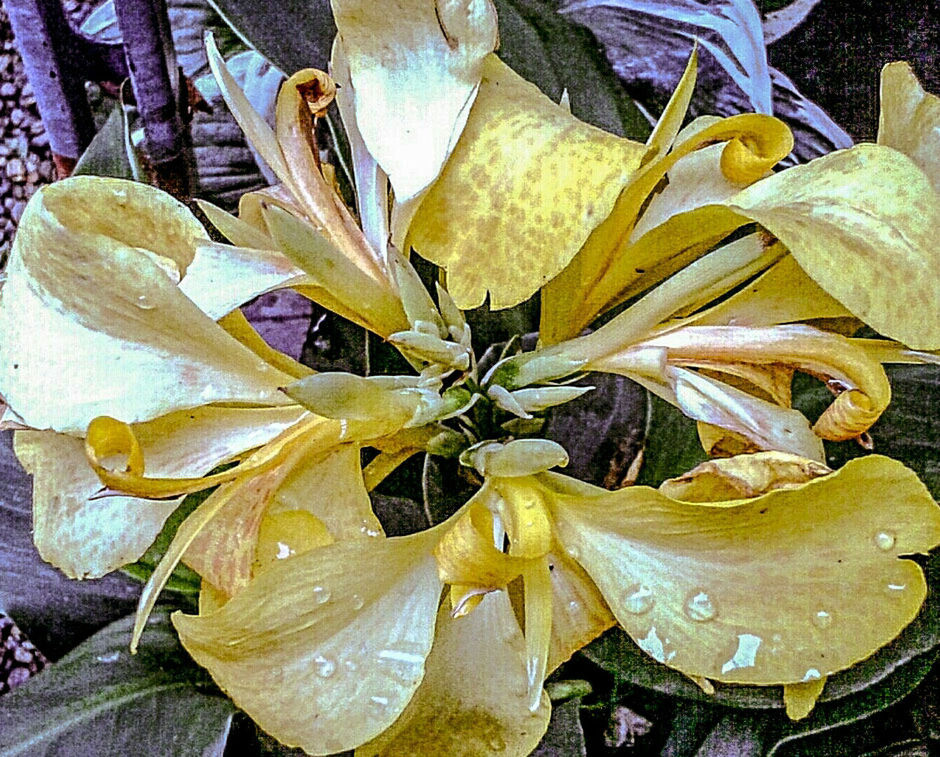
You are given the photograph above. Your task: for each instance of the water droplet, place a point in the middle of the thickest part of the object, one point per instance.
(357, 602)
(283, 551)
(746, 653)
(822, 619)
(366, 528)
(812, 675)
(639, 599)
(350, 665)
(530, 524)
(700, 608)
(574, 605)
(324, 665)
(884, 540)
(144, 303)
(320, 595)
(656, 647)
(894, 588)
(378, 704)
(110, 657)
(573, 552)
(404, 664)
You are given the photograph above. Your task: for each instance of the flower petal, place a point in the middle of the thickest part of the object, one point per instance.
(525, 187)
(690, 582)
(910, 119)
(473, 698)
(321, 656)
(416, 66)
(93, 324)
(861, 222)
(88, 538)
(222, 277)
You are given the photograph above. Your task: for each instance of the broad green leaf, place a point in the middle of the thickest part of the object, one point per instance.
(106, 155)
(672, 444)
(100, 700)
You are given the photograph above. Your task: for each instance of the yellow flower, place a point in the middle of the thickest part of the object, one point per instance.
(329, 658)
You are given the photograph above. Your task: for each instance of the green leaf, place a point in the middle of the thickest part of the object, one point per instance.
(107, 155)
(100, 700)
(565, 736)
(292, 34)
(555, 54)
(55, 612)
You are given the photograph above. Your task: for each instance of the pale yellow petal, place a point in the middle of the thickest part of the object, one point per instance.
(777, 589)
(94, 326)
(862, 223)
(910, 119)
(90, 537)
(416, 66)
(321, 656)
(522, 192)
(222, 277)
(579, 612)
(473, 698)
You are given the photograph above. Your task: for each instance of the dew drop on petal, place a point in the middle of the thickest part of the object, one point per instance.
(822, 619)
(378, 704)
(144, 303)
(321, 595)
(405, 665)
(812, 675)
(746, 653)
(638, 599)
(700, 607)
(350, 665)
(573, 552)
(884, 540)
(895, 588)
(357, 602)
(324, 665)
(574, 605)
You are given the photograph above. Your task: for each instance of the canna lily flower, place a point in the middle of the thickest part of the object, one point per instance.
(329, 659)
(827, 233)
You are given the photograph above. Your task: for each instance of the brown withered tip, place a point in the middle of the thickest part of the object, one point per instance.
(318, 91)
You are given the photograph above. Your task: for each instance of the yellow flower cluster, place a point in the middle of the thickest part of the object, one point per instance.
(125, 362)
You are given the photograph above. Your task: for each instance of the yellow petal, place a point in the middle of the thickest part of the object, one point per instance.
(93, 324)
(537, 587)
(222, 277)
(667, 127)
(861, 222)
(610, 267)
(286, 534)
(525, 187)
(415, 66)
(90, 537)
(579, 613)
(781, 295)
(321, 656)
(910, 119)
(690, 582)
(800, 698)
(742, 477)
(473, 699)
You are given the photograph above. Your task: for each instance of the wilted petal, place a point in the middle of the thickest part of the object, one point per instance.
(524, 189)
(93, 322)
(416, 66)
(473, 699)
(321, 656)
(88, 538)
(910, 119)
(861, 223)
(690, 583)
